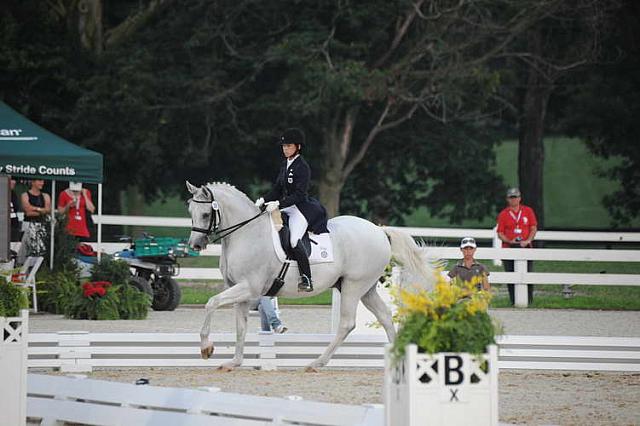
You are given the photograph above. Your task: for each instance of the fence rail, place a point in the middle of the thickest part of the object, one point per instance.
(83, 351)
(520, 277)
(483, 234)
(62, 400)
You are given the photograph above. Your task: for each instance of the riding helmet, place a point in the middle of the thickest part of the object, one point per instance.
(292, 135)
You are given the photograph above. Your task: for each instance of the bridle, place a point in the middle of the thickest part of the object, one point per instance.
(216, 218)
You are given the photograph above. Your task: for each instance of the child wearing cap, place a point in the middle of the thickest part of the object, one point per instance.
(74, 202)
(467, 268)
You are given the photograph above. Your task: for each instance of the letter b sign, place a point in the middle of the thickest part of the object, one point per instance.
(453, 374)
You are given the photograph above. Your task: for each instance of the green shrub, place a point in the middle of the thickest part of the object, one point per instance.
(64, 247)
(134, 304)
(13, 298)
(451, 318)
(114, 271)
(108, 296)
(89, 304)
(56, 290)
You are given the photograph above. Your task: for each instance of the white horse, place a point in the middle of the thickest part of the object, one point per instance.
(249, 263)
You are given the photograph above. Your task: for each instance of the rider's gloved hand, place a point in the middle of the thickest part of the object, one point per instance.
(272, 205)
(259, 202)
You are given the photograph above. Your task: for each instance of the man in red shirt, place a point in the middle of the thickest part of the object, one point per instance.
(517, 227)
(74, 202)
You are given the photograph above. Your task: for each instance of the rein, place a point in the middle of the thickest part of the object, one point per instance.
(216, 218)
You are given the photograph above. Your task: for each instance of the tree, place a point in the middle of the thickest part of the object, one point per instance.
(198, 88)
(351, 75)
(564, 41)
(450, 170)
(603, 108)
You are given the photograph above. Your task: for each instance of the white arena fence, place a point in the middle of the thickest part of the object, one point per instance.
(57, 400)
(520, 277)
(82, 351)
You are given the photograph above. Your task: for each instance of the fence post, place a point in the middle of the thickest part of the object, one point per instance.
(14, 336)
(497, 243)
(521, 298)
(71, 352)
(267, 352)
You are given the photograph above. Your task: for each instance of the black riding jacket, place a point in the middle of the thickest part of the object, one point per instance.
(292, 188)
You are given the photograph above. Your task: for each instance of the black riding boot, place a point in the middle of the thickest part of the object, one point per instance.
(304, 283)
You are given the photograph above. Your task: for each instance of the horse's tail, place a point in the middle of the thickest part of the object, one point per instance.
(413, 257)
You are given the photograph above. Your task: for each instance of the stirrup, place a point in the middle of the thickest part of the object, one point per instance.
(305, 284)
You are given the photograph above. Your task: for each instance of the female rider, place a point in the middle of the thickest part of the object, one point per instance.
(290, 193)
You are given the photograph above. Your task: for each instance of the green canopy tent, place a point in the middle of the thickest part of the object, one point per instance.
(29, 151)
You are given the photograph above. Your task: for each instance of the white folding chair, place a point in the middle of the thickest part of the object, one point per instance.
(27, 276)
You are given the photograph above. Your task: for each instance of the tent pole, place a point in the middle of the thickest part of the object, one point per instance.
(99, 219)
(53, 221)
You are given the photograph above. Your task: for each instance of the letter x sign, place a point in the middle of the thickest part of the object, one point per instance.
(453, 372)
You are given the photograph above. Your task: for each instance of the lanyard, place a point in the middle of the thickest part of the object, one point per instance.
(517, 219)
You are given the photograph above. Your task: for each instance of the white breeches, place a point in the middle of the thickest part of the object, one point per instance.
(297, 224)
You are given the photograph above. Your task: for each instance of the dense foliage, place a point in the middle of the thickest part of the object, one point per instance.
(451, 318)
(13, 298)
(396, 96)
(109, 296)
(603, 108)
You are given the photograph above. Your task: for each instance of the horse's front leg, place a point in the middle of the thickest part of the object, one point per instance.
(237, 294)
(242, 313)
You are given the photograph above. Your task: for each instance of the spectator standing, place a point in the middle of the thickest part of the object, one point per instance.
(16, 226)
(74, 202)
(467, 268)
(517, 227)
(36, 205)
(269, 319)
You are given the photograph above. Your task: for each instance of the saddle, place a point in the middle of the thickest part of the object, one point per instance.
(285, 239)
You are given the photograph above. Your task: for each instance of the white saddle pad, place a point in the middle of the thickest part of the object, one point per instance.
(321, 252)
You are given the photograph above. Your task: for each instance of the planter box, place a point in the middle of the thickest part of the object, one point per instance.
(13, 368)
(441, 389)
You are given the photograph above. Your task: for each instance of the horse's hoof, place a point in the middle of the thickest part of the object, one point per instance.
(206, 353)
(310, 369)
(226, 368)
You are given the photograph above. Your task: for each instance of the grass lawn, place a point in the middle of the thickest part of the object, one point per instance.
(200, 294)
(573, 190)
(546, 297)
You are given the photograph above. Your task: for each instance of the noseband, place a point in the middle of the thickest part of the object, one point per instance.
(214, 221)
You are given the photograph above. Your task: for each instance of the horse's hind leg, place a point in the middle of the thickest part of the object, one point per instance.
(373, 302)
(348, 306)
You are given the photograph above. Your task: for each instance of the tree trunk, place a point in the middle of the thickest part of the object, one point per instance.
(132, 204)
(337, 142)
(531, 133)
(89, 20)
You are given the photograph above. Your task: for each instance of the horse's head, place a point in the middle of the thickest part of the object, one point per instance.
(206, 211)
(204, 215)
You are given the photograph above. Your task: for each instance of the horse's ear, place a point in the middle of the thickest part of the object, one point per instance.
(192, 189)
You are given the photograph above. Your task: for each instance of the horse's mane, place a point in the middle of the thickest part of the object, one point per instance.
(229, 189)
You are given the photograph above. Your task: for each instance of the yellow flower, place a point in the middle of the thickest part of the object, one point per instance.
(435, 304)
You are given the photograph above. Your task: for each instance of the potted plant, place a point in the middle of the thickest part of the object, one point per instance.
(442, 367)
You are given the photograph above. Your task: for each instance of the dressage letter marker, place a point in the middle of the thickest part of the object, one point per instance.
(454, 377)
